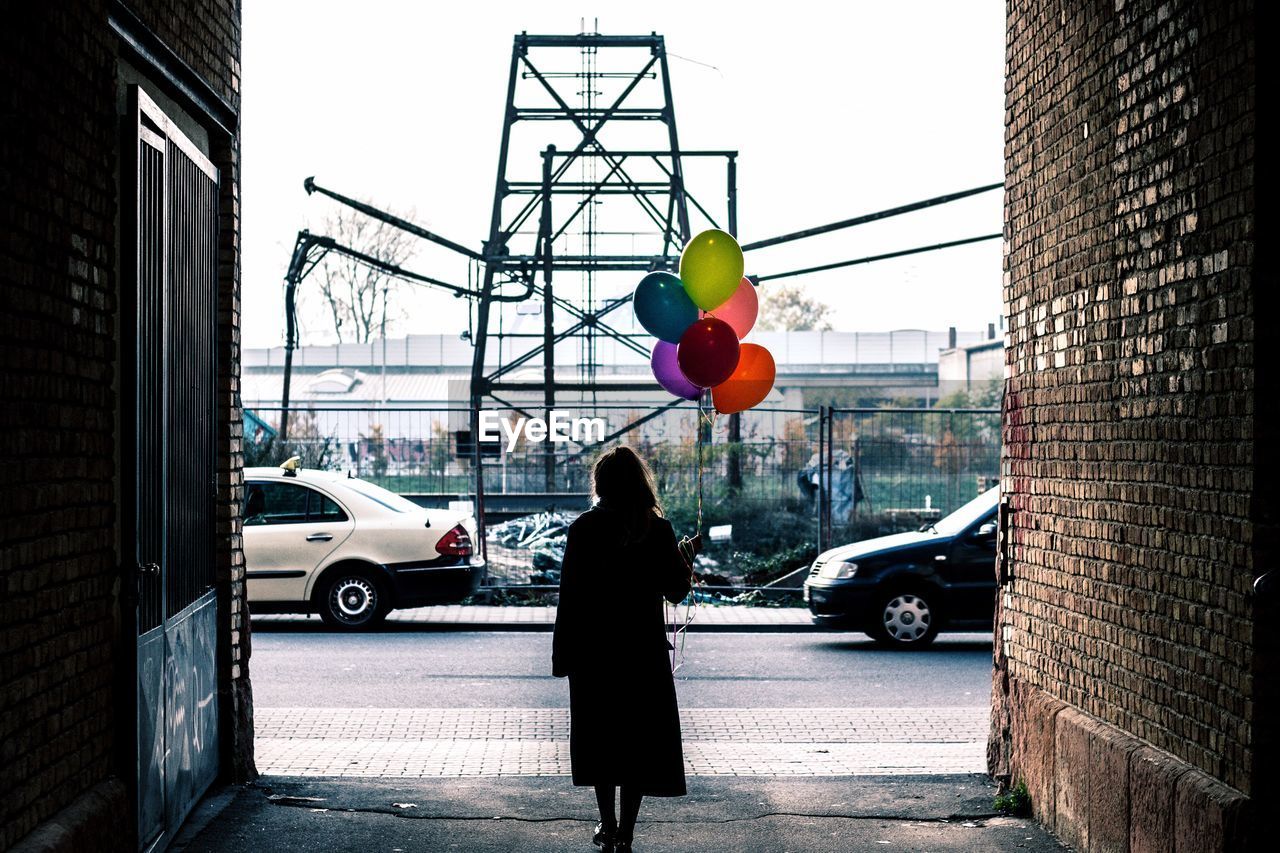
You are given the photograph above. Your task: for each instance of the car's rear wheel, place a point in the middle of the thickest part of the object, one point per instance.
(353, 600)
(906, 619)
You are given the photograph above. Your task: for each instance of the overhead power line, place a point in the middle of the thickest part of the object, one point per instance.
(871, 217)
(887, 256)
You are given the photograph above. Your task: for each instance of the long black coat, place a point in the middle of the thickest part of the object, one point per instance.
(610, 640)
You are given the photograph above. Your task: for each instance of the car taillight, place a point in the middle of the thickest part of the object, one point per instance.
(456, 542)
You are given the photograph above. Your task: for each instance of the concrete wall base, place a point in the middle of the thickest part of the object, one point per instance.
(96, 820)
(1104, 791)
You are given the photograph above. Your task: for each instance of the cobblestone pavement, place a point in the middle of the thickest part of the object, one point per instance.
(704, 616)
(426, 742)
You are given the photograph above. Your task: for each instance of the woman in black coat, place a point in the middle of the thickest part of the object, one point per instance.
(620, 561)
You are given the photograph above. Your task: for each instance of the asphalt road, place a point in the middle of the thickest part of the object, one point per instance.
(512, 670)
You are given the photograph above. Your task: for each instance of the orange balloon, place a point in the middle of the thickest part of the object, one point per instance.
(749, 383)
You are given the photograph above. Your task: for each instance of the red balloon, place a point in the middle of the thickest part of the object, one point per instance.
(750, 383)
(708, 352)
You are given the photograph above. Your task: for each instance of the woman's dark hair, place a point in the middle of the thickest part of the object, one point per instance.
(623, 482)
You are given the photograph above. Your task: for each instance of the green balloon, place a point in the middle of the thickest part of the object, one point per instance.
(711, 268)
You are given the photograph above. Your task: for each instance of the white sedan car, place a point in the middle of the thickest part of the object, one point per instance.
(320, 541)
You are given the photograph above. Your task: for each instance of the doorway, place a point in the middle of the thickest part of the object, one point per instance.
(170, 248)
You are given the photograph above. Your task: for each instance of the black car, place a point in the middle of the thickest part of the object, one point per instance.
(903, 589)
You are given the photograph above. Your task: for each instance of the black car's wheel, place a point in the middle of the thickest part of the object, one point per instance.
(352, 600)
(906, 619)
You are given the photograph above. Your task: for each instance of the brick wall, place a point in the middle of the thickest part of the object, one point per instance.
(204, 33)
(237, 723)
(61, 651)
(57, 342)
(1126, 621)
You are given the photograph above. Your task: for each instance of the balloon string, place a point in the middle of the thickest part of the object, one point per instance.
(680, 635)
(707, 420)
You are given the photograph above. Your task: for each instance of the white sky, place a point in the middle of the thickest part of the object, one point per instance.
(836, 110)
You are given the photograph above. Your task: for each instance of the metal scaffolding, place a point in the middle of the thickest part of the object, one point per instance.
(588, 190)
(583, 207)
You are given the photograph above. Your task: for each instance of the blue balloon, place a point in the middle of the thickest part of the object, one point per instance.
(663, 306)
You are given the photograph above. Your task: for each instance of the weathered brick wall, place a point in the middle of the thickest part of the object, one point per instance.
(1128, 437)
(237, 724)
(204, 33)
(63, 711)
(57, 344)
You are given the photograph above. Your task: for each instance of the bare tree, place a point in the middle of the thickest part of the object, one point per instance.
(786, 308)
(357, 300)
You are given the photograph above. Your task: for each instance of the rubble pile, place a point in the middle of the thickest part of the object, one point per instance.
(529, 549)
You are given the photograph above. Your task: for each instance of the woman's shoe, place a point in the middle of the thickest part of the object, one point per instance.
(622, 847)
(603, 838)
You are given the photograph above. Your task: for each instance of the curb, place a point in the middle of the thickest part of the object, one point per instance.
(392, 627)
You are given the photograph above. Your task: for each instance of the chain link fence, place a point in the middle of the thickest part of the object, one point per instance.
(779, 485)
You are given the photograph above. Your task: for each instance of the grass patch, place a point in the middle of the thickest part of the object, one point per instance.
(1016, 801)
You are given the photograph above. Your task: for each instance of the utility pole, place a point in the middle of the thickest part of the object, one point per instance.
(548, 318)
(297, 269)
(384, 344)
(735, 420)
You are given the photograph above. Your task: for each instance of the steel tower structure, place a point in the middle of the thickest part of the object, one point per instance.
(570, 182)
(589, 151)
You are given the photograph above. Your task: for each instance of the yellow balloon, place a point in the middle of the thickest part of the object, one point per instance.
(711, 268)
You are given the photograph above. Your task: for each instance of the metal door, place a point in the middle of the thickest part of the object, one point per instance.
(171, 231)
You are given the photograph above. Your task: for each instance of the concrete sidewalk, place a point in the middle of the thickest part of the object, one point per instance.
(467, 742)
(748, 815)
(458, 617)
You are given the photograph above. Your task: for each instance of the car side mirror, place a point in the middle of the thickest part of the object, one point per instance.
(986, 530)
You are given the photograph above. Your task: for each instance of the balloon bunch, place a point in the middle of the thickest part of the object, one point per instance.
(699, 319)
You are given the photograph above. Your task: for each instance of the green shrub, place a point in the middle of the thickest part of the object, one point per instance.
(770, 537)
(761, 568)
(1015, 801)
(305, 441)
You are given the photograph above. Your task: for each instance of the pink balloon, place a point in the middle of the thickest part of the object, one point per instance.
(741, 309)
